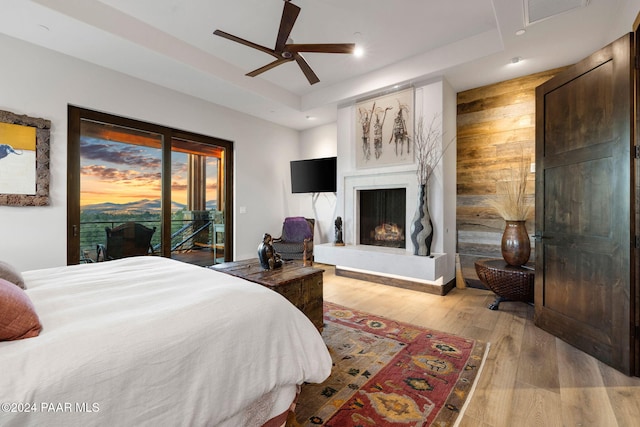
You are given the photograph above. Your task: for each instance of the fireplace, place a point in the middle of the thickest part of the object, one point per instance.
(398, 263)
(382, 217)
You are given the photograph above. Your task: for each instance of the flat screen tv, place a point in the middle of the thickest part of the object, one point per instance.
(313, 175)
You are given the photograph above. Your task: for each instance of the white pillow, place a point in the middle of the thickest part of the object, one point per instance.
(10, 274)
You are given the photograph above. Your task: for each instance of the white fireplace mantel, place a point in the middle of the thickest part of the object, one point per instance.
(353, 184)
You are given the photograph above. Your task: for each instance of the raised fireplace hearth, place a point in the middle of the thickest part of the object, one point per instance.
(389, 266)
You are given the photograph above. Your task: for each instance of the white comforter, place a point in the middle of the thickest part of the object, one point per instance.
(148, 341)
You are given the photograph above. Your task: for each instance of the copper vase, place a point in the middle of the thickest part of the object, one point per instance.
(516, 247)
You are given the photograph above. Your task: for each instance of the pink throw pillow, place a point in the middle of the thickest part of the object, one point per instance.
(18, 318)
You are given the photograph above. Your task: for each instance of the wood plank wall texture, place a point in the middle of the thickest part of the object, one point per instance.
(495, 128)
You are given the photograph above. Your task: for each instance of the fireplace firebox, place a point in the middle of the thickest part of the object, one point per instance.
(382, 217)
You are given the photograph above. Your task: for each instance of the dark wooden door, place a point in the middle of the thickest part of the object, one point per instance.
(585, 210)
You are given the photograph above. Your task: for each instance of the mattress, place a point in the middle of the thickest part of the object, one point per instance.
(153, 341)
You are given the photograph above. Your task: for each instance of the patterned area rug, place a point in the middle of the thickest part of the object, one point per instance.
(388, 373)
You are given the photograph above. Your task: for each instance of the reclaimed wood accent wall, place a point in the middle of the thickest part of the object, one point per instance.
(495, 128)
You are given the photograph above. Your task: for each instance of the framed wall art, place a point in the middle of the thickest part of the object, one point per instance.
(384, 130)
(24, 160)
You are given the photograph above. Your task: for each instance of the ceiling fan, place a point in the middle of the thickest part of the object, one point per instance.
(286, 52)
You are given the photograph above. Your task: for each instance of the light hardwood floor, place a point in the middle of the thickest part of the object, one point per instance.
(530, 377)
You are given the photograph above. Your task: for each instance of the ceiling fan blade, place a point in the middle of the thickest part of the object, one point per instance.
(289, 16)
(245, 42)
(306, 69)
(268, 66)
(322, 48)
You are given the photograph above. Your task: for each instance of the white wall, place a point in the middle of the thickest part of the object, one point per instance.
(317, 143)
(41, 83)
(449, 163)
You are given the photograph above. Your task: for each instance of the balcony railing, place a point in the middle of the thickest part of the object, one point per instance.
(186, 234)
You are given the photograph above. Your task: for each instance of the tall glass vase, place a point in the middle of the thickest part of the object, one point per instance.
(421, 225)
(516, 246)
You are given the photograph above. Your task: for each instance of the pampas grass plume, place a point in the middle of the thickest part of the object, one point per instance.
(510, 200)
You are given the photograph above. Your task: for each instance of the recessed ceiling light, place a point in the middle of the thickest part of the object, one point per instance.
(358, 52)
(520, 32)
(310, 118)
(515, 60)
(44, 27)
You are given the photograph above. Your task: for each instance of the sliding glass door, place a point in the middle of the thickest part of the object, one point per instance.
(120, 182)
(123, 171)
(197, 199)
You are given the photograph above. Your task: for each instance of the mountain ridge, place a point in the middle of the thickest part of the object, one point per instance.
(139, 206)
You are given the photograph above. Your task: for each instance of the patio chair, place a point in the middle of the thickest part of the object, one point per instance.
(126, 240)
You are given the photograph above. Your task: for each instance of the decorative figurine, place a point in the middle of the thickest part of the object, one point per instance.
(339, 241)
(269, 258)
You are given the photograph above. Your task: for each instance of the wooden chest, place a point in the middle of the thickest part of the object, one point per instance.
(302, 286)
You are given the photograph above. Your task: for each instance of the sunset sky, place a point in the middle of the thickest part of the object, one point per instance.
(122, 173)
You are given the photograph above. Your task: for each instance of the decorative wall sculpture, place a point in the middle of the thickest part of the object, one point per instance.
(384, 130)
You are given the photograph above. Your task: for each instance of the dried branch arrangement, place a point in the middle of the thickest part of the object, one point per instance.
(510, 201)
(427, 148)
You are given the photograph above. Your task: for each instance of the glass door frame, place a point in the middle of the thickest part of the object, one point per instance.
(75, 115)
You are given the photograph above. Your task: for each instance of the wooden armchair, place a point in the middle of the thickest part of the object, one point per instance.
(125, 240)
(296, 239)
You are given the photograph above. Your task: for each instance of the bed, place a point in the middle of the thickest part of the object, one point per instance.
(149, 341)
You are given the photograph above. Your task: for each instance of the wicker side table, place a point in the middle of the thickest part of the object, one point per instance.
(509, 283)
